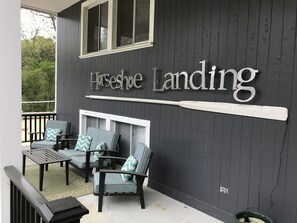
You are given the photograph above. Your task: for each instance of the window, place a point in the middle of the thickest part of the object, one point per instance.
(111, 26)
(97, 27)
(132, 22)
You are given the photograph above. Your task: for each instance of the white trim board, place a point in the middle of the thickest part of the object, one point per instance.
(111, 121)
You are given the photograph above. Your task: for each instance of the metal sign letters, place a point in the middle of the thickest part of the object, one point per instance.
(197, 80)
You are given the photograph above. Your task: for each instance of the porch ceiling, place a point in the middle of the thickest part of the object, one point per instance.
(48, 6)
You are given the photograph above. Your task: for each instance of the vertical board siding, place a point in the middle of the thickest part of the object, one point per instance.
(197, 152)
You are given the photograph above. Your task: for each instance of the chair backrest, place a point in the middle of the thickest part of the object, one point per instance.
(143, 155)
(101, 135)
(56, 124)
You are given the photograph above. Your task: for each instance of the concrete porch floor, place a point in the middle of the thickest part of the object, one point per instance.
(159, 208)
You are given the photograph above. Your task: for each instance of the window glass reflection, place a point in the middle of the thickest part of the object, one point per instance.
(142, 20)
(93, 23)
(125, 22)
(103, 25)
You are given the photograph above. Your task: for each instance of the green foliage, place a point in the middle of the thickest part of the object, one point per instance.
(38, 73)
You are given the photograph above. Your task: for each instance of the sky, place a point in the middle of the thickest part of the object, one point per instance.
(30, 22)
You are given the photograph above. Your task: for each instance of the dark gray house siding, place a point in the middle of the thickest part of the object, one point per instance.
(197, 152)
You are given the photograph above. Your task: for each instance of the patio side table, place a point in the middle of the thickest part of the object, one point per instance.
(43, 157)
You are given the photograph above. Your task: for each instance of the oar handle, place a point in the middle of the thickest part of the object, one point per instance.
(138, 100)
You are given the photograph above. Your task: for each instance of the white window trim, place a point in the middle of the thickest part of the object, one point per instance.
(111, 39)
(111, 121)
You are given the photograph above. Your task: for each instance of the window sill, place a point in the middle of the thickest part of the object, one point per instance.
(117, 50)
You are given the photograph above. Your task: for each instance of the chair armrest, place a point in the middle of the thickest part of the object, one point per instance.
(122, 172)
(102, 150)
(59, 139)
(113, 151)
(31, 133)
(101, 158)
(95, 150)
(60, 135)
(112, 157)
(68, 139)
(35, 133)
(65, 141)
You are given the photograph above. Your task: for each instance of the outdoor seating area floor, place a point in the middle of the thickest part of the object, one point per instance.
(159, 209)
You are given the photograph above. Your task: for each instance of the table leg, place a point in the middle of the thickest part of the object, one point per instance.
(41, 173)
(24, 164)
(67, 172)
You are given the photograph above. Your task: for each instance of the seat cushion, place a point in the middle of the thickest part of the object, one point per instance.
(114, 184)
(80, 162)
(43, 144)
(71, 152)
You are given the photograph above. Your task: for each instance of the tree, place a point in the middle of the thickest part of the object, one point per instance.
(35, 24)
(38, 73)
(38, 59)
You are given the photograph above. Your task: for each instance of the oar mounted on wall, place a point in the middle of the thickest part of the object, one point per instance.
(257, 111)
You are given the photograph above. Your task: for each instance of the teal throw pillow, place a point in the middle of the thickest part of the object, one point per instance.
(51, 134)
(83, 143)
(101, 146)
(129, 165)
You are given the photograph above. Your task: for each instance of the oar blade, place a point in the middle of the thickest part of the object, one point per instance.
(257, 111)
